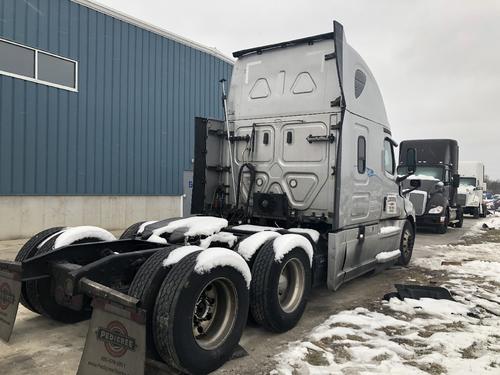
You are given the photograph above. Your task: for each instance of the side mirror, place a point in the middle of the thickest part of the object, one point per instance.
(455, 180)
(411, 160)
(415, 183)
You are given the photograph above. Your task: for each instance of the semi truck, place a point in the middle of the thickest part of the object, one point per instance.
(296, 188)
(435, 201)
(472, 186)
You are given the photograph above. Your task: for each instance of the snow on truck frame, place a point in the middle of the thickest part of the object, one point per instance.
(296, 189)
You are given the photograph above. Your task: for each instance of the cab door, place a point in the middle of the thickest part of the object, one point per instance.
(391, 200)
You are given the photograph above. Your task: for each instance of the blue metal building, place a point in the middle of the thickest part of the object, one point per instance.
(93, 104)
(121, 124)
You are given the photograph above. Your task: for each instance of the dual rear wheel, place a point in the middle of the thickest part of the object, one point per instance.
(202, 315)
(39, 295)
(191, 314)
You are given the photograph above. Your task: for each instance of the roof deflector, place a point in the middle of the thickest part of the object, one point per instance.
(309, 40)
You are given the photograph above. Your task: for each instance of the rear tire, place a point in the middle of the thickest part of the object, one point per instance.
(145, 287)
(131, 232)
(406, 244)
(28, 251)
(279, 290)
(185, 301)
(41, 296)
(475, 212)
(484, 212)
(460, 222)
(443, 228)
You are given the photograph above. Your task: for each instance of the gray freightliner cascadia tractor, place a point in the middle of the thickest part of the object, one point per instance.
(297, 188)
(435, 201)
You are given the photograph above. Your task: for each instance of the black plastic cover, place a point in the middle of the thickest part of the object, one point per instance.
(309, 40)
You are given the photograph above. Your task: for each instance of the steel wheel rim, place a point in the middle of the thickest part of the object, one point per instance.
(214, 313)
(291, 285)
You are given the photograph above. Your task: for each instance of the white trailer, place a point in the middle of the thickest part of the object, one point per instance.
(472, 186)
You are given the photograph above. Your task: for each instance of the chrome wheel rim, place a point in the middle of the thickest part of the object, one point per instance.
(214, 313)
(291, 285)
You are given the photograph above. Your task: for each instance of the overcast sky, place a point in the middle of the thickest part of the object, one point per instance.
(437, 62)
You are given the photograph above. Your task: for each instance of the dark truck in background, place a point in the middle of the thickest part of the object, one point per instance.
(435, 201)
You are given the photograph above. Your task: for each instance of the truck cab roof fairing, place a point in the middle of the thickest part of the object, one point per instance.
(432, 151)
(369, 102)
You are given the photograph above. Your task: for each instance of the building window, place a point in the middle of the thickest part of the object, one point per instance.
(389, 161)
(361, 154)
(37, 66)
(17, 60)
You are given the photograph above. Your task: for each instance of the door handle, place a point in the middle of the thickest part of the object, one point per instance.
(320, 138)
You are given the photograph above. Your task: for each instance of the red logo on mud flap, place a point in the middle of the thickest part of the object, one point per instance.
(116, 339)
(6, 296)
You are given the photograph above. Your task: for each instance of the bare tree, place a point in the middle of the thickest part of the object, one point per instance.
(492, 185)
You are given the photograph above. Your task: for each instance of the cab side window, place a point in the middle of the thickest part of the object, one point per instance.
(389, 162)
(361, 154)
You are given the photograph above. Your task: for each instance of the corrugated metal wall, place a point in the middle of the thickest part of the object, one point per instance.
(129, 129)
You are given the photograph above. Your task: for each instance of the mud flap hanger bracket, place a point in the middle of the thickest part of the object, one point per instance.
(96, 290)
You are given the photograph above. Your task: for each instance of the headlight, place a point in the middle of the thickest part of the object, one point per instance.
(436, 210)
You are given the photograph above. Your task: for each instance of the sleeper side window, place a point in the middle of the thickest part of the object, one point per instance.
(361, 154)
(389, 162)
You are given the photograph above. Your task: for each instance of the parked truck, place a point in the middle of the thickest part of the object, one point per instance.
(435, 201)
(297, 188)
(472, 186)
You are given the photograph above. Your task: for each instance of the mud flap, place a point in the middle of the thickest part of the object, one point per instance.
(10, 291)
(116, 339)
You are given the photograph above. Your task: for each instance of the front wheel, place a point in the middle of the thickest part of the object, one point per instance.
(460, 222)
(406, 244)
(443, 228)
(476, 213)
(484, 212)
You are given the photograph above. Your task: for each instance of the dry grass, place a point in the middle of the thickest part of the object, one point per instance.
(431, 368)
(316, 358)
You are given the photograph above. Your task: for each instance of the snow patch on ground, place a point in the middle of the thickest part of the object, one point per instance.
(74, 234)
(492, 221)
(254, 228)
(177, 254)
(222, 237)
(287, 242)
(429, 306)
(390, 230)
(251, 244)
(311, 232)
(220, 257)
(361, 341)
(387, 256)
(196, 226)
(423, 336)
